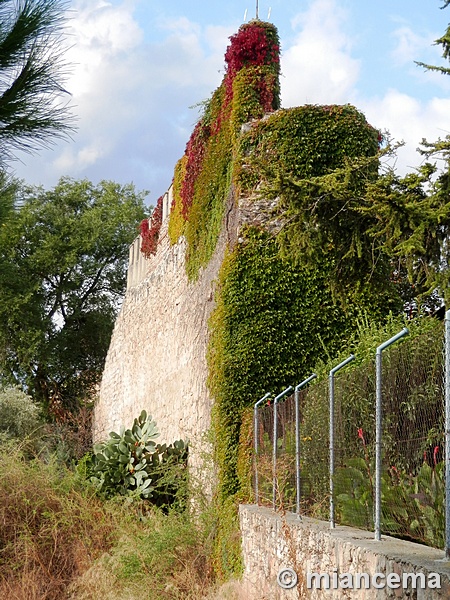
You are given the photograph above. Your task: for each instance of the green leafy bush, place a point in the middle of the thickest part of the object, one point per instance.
(412, 505)
(19, 415)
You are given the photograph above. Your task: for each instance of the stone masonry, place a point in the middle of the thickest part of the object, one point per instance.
(274, 541)
(157, 355)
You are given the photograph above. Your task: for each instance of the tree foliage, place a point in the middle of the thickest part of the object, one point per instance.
(444, 42)
(413, 213)
(64, 256)
(19, 415)
(410, 223)
(32, 111)
(315, 162)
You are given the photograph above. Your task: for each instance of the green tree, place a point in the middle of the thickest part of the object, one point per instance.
(8, 191)
(32, 111)
(64, 256)
(419, 230)
(410, 223)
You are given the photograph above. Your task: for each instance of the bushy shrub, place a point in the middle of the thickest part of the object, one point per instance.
(19, 415)
(52, 530)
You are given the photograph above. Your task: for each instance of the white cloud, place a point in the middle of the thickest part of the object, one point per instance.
(98, 33)
(318, 66)
(410, 120)
(75, 161)
(408, 45)
(131, 97)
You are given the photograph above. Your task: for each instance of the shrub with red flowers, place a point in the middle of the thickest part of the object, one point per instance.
(150, 228)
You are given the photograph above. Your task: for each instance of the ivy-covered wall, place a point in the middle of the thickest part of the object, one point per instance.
(277, 312)
(204, 174)
(284, 295)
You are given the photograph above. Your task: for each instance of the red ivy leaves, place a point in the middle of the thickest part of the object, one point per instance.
(150, 230)
(144, 226)
(195, 151)
(250, 46)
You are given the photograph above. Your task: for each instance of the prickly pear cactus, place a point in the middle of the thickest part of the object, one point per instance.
(130, 463)
(121, 462)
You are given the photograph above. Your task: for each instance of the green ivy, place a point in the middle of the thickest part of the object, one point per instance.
(176, 221)
(272, 323)
(311, 140)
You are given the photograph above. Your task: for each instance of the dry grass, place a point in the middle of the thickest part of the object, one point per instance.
(168, 554)
(232, 590)
(50, 531)
(57, 540)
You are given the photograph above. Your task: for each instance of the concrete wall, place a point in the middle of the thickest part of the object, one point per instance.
(272, 542)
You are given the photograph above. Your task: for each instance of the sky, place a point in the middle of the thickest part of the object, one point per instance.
(139, 69)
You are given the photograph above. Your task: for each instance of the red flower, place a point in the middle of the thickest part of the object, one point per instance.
(361, 433)
(435, 455)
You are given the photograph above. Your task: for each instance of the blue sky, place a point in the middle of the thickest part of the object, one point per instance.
(139, 65)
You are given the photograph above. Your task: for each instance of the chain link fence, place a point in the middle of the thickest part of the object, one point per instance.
(413, 444)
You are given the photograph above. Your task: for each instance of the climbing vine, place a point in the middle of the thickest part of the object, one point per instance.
(150, 229)
(176, 221)
(249, 90)
(272, 323)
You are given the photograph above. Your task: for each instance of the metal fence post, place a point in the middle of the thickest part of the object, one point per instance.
(447, 435)
(275, 432)
(331, 385)
(297, 438)
(379, 427)
(255, 442)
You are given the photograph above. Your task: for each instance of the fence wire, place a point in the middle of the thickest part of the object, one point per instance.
(413, 486)
(285, 459)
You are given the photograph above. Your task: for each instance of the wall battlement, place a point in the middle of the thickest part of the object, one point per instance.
(138, 265)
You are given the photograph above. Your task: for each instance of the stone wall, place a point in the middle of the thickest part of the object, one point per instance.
(272, 542)
(157, 356)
